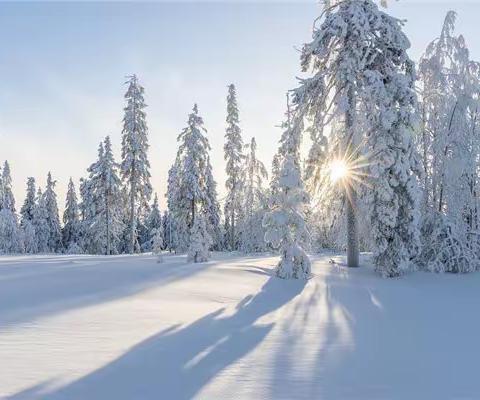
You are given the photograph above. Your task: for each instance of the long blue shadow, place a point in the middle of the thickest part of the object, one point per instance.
(55, 284)
(178, 363)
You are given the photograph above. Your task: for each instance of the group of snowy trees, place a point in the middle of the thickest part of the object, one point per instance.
(192, 196)
(39, 229)
(405, 136)
(449, 148)
(412, 161)
(193, 207)
(362, 89)
(113, 214)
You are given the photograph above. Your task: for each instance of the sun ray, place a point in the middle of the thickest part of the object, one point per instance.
(350, 168)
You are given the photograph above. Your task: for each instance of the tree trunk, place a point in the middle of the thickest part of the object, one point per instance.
(352, 229)
(233, 229)
(425, 160)
(445, 152)
(193, 213)
(132, 213)
(352, 225)
(107, 218)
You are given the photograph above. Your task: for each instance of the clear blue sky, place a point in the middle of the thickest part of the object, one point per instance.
(62, 68)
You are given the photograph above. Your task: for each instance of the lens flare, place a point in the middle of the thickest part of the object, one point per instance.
(338, 170)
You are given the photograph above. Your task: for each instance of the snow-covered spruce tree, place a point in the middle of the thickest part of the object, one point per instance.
(26, 218)
(87, 211)
(254, 201)
(212, 208)
(26, 212)
(29, 238)
(195, 188)
(142, 230)
(273, 186)
(169, 231)
(178, 229)
(7, 201)
(193, 158)
(153, 224)
(71, 222)
(450, 149)
(10, 233)
(40, 223)
(200, 240)
(363, 80)
(105, 226)
(285, 142)
(52, 217)
(11, 240)
(233, 154)
(1, 188)
(135, 166)
(157, 243)
(124, 244)
(285, 223)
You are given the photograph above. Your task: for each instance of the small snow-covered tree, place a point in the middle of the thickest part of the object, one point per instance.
(169, 231)
(27, 215)
(11, 238)
(363, 80)
(1, 188)
(233, 154)
(192, 189)
(275, 175)
(71, 221)
(192, 154)
(254, 201)
(285, 223)
(212, 208)
(178, 231)
(153, 223)
(40, 223)
(105, 222)
(87, 211)
(157, 244)
(443, 249)
(200, 241)
(7, 200)
(29, 237)
(26, 212)
(135, 167)
(52, 216)
(10, 234)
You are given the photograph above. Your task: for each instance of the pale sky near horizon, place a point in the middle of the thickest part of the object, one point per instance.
(63, 65)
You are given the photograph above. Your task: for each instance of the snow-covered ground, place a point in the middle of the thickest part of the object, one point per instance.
(125, 327)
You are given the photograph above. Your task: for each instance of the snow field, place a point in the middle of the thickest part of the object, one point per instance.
(126, 327)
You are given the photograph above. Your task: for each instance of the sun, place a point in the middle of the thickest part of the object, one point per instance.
(338, 170)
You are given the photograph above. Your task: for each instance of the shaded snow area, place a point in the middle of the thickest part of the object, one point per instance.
(126, 327)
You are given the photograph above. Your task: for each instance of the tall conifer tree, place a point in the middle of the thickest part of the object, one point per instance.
(135, 167)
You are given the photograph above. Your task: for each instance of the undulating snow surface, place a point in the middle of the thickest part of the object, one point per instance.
(126, 327)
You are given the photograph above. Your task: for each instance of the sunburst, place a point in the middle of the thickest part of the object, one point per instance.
(349, 169)
(338, 170)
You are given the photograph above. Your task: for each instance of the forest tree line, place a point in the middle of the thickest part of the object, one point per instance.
(408, 134)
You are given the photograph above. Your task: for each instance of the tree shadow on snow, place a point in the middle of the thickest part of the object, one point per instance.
(178, 364)
(51, 285)
(381, 339)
